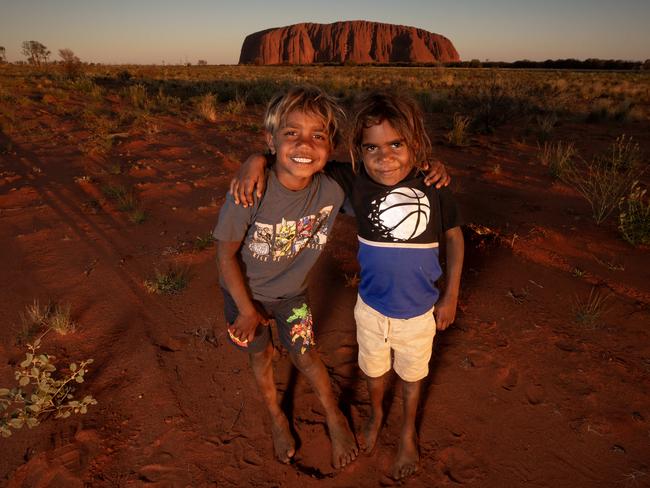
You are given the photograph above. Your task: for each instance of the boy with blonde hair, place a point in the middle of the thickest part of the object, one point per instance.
(266, 250)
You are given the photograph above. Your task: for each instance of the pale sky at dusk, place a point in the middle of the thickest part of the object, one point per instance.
(153, 31)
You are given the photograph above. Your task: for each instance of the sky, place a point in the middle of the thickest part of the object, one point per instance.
(173, 31)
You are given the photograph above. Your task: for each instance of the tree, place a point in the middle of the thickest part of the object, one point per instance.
(35, 52)
(3, 55)
(71, 63)
(202, 62)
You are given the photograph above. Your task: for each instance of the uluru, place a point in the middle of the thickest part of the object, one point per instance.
(356, 41)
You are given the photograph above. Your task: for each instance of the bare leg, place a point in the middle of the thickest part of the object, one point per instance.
(370, 431)
(344, 446)
(408, 456)
(283, 442)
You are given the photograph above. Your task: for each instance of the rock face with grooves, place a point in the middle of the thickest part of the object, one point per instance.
(358, 41)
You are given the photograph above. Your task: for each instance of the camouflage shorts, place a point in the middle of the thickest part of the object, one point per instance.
(292, 318)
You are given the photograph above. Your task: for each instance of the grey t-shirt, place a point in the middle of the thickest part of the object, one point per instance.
(283, 234)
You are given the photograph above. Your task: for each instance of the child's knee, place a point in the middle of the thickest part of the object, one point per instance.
(263, 358)
(304, 361)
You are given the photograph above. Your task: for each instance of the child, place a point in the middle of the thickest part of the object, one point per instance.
(265, 251)
(401, 220)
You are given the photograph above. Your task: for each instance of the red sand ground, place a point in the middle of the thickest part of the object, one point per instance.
(518, 395)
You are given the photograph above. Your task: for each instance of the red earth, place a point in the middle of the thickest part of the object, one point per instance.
(519, 394)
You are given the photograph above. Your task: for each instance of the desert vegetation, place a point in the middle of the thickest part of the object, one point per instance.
(112, 179)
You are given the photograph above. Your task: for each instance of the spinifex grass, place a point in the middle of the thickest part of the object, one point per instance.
(558, 157)
(606, 179)
(588, 311)
(171, 281)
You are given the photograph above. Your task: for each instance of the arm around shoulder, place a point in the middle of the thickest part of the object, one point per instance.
(249, 179)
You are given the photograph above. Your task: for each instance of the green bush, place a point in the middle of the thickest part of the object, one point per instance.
(40, 393)
(172, 281)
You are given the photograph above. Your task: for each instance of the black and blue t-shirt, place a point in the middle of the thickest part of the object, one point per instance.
(400, 228)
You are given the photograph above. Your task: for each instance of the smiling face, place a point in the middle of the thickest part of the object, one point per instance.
(302, 147)
(386, 157)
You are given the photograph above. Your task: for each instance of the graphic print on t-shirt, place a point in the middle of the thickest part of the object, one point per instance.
(401, 214)
(288, 237)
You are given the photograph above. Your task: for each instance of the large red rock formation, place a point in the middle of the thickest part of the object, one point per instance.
(357, 40)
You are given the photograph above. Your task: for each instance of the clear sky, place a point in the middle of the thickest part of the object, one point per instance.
(173, 31)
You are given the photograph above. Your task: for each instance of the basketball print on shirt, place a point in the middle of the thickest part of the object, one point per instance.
(402, 214)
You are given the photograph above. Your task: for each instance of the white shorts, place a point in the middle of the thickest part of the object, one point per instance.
(411, 341)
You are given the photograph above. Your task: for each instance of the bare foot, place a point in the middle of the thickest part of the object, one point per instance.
(408, 457)
(344, 445)
(369, 433)
(283, 442)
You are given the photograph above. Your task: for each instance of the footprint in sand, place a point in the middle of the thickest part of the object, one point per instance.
(508, 377)
(459, 466)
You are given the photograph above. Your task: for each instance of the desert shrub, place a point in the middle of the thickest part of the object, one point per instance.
(625, 153)
(492, 103)
(607, 178)
(137, 94)
(603, 110)
(236, 106)
(41, 392)
(171, 281)
(634, 216)
(545, 125)
(432, 102)
(165, 103)
(72, 66)
(102, 132)
(557, 157)
(457, 136)
(206, 106)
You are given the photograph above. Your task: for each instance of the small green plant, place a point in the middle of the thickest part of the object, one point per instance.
(588, 311)
(127, 202)
(557, 157)
(577, 272)
(40, 394)
(634, 216)
(138, 216)
(114, 192)
(172, 281)
(457, 136)
(203, 242)
(206, 106)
